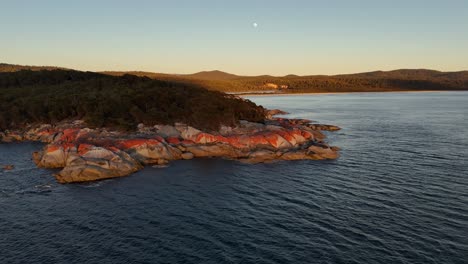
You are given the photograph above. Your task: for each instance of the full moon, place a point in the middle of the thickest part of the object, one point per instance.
(255, 25)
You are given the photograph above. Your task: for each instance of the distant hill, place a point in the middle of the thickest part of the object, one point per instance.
(409, 74)
(153, 75)
(291, 76)
(4, 67)
(212, 75)
(377, 81)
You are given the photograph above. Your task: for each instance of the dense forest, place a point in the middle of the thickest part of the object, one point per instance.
(50, 96)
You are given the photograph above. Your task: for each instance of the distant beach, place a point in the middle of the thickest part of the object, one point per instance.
(332, 93)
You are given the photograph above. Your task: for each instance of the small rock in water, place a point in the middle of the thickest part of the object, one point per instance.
(160, 166)
(8, 167)
(162, 162)
(273, 112)
(45, 186)
(187, 155)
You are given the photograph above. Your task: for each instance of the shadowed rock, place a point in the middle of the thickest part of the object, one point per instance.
(98, 163)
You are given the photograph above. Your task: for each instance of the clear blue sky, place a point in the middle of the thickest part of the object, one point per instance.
(300, 37)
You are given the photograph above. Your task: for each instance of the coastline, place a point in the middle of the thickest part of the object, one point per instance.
(86, 154)
(335, 93)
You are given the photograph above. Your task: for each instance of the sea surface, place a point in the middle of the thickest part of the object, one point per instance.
(398, 194)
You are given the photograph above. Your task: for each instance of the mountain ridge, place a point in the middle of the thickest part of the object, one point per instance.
(374, 81)
(223, 75)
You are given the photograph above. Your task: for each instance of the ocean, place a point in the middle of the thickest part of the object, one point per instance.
(397, 194)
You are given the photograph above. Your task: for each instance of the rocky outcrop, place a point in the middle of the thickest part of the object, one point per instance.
(272, 112)
(214, 150)
(167, 131)
(149, 151)
(54, 156)
(92, 154)
(98, 163)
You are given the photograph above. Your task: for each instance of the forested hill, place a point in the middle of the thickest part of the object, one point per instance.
(213, 75)
(400, 80)
(410, 74)
(4, 67)
(115, 101)
(379, 81)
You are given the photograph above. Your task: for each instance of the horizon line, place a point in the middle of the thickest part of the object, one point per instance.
(226, 72)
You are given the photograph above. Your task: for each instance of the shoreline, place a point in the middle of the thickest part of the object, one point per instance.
(334, 93)
(89, 154)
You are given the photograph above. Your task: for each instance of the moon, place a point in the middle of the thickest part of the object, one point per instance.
(255, 24)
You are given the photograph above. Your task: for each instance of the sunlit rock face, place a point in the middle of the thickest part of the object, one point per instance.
(98, 163)
(86, 154)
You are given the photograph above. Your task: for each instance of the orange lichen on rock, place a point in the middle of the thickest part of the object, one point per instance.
(69, 134)
(258, 139)
(235, 141)
(173, 140)
(57, 146)
(52, 147)
(288, 136)
(306, 134)
(187, 142)
(134, 143)
(204, 138)
(84, 148)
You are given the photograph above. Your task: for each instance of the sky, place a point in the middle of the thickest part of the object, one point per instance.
(301, 37)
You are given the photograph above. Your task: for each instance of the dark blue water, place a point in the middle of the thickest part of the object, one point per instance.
(398, 194)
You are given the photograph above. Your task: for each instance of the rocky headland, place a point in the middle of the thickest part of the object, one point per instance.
(86, 154)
